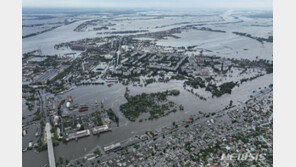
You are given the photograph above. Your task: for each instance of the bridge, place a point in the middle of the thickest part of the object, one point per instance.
(49, 146)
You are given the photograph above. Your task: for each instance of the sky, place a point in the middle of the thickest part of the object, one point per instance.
(234, 4)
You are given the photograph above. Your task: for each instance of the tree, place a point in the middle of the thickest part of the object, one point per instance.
(230, 103)
(61, 160)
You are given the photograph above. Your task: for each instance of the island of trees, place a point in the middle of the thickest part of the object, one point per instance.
(156, 104)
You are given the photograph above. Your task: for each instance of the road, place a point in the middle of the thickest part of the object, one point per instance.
(49, 146)
(51, 158)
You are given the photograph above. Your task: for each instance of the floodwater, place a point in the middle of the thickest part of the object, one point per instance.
(114, 96)
(220, 44)
(226, 45)
(47, 40)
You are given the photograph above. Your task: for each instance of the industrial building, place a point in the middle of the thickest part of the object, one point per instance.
(112, 147)
(77, 135)
(101, 129)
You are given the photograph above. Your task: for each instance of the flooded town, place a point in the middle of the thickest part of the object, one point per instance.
(147, 88)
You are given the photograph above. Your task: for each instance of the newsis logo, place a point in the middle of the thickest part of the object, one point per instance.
(248, 156)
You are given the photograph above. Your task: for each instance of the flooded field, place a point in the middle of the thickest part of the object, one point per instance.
(226, 44)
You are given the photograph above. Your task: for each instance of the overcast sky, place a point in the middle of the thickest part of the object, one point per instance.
(244, 4)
